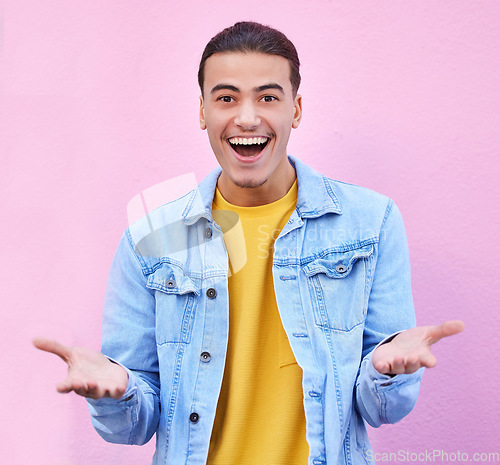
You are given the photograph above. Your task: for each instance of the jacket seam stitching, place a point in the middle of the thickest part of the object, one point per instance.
(131, 244)
(388, 210)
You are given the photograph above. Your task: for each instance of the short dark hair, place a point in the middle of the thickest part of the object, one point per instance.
(248, 36)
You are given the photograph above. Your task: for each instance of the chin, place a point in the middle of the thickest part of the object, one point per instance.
(249, 183)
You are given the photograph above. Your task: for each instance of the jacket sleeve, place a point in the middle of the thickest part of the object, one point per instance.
(128, 338)
(384, 398)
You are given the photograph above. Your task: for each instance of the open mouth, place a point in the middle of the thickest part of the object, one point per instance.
(248, 146)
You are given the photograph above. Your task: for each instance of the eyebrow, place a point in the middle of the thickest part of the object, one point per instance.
(269, 86)
(256, 89)
(224, 87)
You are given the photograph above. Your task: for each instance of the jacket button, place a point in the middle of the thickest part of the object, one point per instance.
(208, 233)
(194, 417)
(170, 283)
(211, 293)
(205, 357)
(341, 268)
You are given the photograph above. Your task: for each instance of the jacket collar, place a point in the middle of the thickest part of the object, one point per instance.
(316, 196)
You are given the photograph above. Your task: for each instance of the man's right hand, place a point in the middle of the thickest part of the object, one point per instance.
(90, 373)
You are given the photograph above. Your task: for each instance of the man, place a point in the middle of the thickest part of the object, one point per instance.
(278, 361)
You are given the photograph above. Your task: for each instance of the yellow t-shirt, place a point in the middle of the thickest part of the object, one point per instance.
(260, 416)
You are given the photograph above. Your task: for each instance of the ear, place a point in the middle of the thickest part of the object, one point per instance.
(297, 115)
(203, 124)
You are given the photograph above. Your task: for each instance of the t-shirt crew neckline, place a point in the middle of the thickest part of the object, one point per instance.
(258, 211)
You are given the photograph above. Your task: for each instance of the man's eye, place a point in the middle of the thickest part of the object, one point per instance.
(269, 98)
(225, 99)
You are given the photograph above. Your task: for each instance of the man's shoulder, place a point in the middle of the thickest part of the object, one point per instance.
(338, 196)
(188, 203)
(355, 195)
(163, 214)
(362, 209)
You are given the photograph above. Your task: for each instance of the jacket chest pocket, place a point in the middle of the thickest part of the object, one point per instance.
(175, 295)
(338, 286)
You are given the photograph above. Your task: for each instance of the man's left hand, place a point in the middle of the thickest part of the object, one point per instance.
(411, 349)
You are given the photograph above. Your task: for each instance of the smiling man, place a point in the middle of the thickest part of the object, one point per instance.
(280, 361)
(249, 108)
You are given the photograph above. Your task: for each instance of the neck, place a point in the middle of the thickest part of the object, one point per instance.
(268, 192)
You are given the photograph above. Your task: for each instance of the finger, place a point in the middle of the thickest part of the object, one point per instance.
(64, 387)
(412, 365)
(80, 388)
(118, 392)
(92, 386)
(73, 382)
(54, 347)
(94, 391)
(448, 328)
(382, 367)
(398, 366)
(428, 361)
(97, 392)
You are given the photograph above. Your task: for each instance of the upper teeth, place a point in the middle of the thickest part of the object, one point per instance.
(248, 141)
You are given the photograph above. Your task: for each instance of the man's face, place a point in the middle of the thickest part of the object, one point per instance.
(248, 110)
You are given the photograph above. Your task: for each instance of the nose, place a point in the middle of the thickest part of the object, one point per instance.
(247, 116)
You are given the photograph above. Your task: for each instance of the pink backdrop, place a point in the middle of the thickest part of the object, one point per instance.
(100, 101)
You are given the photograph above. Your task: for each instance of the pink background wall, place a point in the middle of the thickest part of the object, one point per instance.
(100, 101)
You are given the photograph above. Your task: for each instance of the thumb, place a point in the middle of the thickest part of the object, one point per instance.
(446, 329)
(53, 347)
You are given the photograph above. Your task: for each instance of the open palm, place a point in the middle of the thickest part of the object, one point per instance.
(90, 373)
(411, 349)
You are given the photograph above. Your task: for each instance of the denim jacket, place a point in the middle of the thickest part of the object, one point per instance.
(342, 283)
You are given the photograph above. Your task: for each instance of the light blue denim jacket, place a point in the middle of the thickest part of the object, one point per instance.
(342, 282)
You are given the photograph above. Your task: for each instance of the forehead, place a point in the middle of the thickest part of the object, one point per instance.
(246, 70)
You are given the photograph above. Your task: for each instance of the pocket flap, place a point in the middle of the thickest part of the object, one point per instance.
(337, 264)
(171, 279)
